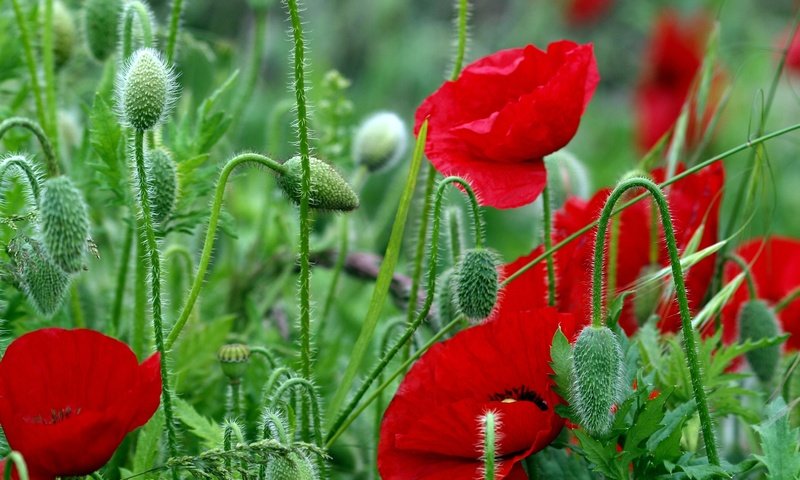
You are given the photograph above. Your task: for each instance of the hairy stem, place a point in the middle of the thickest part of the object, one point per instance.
(21, 163)
(51, 163)
(139, 294)
(548, 244)
(488, 426)
(49, 67)
(122, 276)
(751, 286)
(174, 25)
(135, 10)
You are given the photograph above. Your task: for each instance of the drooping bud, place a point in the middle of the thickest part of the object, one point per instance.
(444, 297)
(233, 358)
(43, 282)
(598, 378)
(64, 223)
(145, 89)
(756, 322)
(329, 191)
(291, 466)
(64, 34)
(100, 20)
(162, 180)
(647, 298)
(380, 141)
(476, 283)
(567, 177)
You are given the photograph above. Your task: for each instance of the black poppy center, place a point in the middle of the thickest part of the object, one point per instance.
(56, 415)
(520, 394)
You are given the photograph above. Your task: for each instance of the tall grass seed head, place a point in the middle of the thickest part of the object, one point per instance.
(43, 282)
(100, 26)
(145, 90)
(63, 223)
(329, 191)
(476, 283)
(598, 373)
(757, 321)
(291, 466)
(380, 141)
(162, 182)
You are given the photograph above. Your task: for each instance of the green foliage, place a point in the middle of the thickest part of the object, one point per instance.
(209, 433)
(290, 467)
(108, 142)
(146, 451)
(444, 297)
(779, 442)
(100, 23)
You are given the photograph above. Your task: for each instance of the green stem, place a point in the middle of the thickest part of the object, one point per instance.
(341, 256)
(174, 24)
(21, 163)
(254, 69)
(309, 394)
(15, 461)
(139, 293)
(208, 245)
(548, 244)
(142, 12)
(461, 45)
(488, 445)
(613, 255)
(49, 152)
(236, 399)
(388, 334)
(787, 300)
(273, 364)
(751, 286)
(155, 284)
(122, 276)
(227, 441)
(49, 67)
(455, 229)
(680, 289)
(75, 307)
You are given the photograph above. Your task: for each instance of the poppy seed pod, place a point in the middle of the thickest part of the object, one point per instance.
(444, 297)
(757, 322)
(646, 299)
(476, 284)
(233, 359)
(145, 89)
(597, 373)
(162, 181)
(64, 223)
(329, 191)
(41, 280)
(380, 141)
(100, 20)
(291, 466)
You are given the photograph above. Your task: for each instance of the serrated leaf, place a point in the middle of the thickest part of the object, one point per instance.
(557, 463)
(648, 421)
(602, 456)
(666, 442)
(147, 443)
(561, 362)
(206, 430)
(107, 140)
(779, 442)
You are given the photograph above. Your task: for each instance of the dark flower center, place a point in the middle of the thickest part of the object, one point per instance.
(520, 394)
(56, 416)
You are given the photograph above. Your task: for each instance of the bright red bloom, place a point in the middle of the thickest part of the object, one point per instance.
(431, 429)
(774, 265)
(793, 55)
(672, 61)
(694, 202)
(504, 114)
(586, 11)
(69, 397)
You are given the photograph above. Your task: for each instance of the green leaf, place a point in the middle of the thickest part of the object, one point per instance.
(146, 452)
(648, 421)
(666, 442)
(779, 442)
(715, 304)
(561, 361)
(602, 456)
(107, 140)
(206, 430)
(557, 463)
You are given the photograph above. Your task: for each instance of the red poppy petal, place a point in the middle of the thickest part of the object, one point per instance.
(148, 395)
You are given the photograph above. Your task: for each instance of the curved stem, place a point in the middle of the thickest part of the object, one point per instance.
(22, 164)
(454, 229)
(155, 285)
(548, 244)
(787, 300)
(751, 286)
(613, 256)
(49, 153)
(49, 67)
(461, 45)
(266, 354)
(174, 24)
(122, 276)
(680, 288)
(309, 394)
(208, 245)
(142, 12)
(15, 461)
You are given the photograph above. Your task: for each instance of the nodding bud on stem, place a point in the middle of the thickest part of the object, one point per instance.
(477, 283)
(233, 358)
(162, 182)
(100, 20)
(43, 282)
(380, 141)
(647, 299)
(567, 177)
(329, 191)
(290, 466)
(444, 297)
(64, 34)
(64, 223)
(145, 90)
(598, 378)
(756, 322)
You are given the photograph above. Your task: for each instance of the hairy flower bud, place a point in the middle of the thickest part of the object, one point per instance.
(145, 89)
(380, 141)
(598, 378)
(444, 297)
(64, 34)
(329, 191)
(647, 298)
(64, 223)
(233, 358)
(162, 181)
(100, 20)
(567, 177)
(476, 284)
(41, 280)
(756, 322)
(291, 466)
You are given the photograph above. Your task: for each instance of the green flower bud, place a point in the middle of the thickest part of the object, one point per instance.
(444, 296)
(598, 378)
(41, 280)
(756, 322)
(290, 467)
(64, 223)
(380, 141)
(476, 284)
(145, 89)
(233, 359)
(162, 180)
(100, 20)
(329, 191)
(647, 298)
(64, 34)
(567, 177)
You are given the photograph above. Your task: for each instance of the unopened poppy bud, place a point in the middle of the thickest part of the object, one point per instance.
(444, 297)
(329, 191)
(647, 299)
(291, 466)
(566, 176)
(64, 34)
(100, 21)
(233, 358)
(597, 374)
(476, 283)
(380, 141)
(162, 180)
(43, 282)
(64, 223)
(145, 89)
(756, 322)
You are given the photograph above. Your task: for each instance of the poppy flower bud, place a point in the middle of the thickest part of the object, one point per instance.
(64, 34)
(646, 299)
(233, 359)
(598, 372)
(41, 280)
(162, 180)
(756, 322)
(64, 223)
(476, 283)
(444, 297)
(380, 141)
(329, 191)
(145, 89)
(567, 177)
(292, 466)
(100, 20)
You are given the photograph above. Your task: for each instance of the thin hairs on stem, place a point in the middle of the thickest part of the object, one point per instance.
(51, 162)
(26, 169)
(140, 11)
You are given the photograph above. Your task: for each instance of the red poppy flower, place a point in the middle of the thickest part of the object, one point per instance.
(694, 202)
(793, 55)
(774, 263)
(504, 114)
(586, 11)
(672, 61)
(431, 429)
(69, 397)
